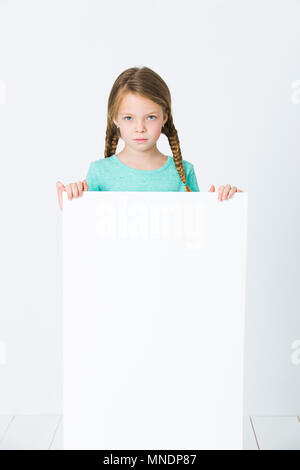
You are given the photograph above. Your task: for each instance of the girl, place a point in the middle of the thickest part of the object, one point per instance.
(139, 110)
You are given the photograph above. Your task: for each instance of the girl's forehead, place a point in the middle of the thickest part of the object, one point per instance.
(131, 102)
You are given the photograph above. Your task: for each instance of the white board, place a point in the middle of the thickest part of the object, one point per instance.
(153, 320)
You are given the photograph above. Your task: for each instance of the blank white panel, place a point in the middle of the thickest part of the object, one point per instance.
(154, 303)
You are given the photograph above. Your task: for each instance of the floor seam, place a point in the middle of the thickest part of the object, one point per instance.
(254, 433)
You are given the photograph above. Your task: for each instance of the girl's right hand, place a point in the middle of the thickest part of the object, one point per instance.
(72, 189)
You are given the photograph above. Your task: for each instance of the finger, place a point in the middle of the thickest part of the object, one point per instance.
(85, 185)
(80, 188)
(232, 191)
(74, 189)
(59, 184)
(212, 189)
(226, 191)
(220, 192)
(69, 191)
(240, 191)
(60, 188)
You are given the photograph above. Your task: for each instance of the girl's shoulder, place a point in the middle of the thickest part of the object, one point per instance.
(102, 161)
(187, 163)
(101, 165)
(188, 166)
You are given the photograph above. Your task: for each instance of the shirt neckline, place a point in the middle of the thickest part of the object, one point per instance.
(137, 170)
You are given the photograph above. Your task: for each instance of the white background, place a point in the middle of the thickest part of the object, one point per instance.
(232, 69)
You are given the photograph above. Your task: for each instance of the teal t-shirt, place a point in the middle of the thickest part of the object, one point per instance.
(110, 174)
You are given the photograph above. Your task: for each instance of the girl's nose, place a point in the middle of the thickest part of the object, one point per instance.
(140, 127)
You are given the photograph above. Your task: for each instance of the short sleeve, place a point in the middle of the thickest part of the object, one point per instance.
(192, 180)
(92, 178)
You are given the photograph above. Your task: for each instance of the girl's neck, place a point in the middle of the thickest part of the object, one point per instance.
(142, 160)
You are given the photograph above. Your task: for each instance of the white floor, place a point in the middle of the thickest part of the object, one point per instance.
(45, 432)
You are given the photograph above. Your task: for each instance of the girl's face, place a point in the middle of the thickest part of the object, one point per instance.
(140, 118)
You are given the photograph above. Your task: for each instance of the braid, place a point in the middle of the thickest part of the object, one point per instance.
(111, 140)
(170, 131)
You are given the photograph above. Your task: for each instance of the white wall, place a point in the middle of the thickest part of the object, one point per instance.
(232, 68)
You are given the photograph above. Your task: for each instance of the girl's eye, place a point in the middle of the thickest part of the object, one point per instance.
(130, 117)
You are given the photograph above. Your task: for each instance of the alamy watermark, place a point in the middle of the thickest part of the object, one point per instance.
(144, 222)
(295, 95)
(3, 92)
(3, 359)
(295, 356)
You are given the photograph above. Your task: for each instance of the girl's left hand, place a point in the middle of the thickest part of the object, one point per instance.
(225, 192)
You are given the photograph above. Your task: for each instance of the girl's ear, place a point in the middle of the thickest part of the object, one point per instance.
(165, 118)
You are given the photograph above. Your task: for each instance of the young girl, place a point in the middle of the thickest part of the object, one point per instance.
(139, 111)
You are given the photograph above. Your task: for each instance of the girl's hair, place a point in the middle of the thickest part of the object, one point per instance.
(147, 83)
